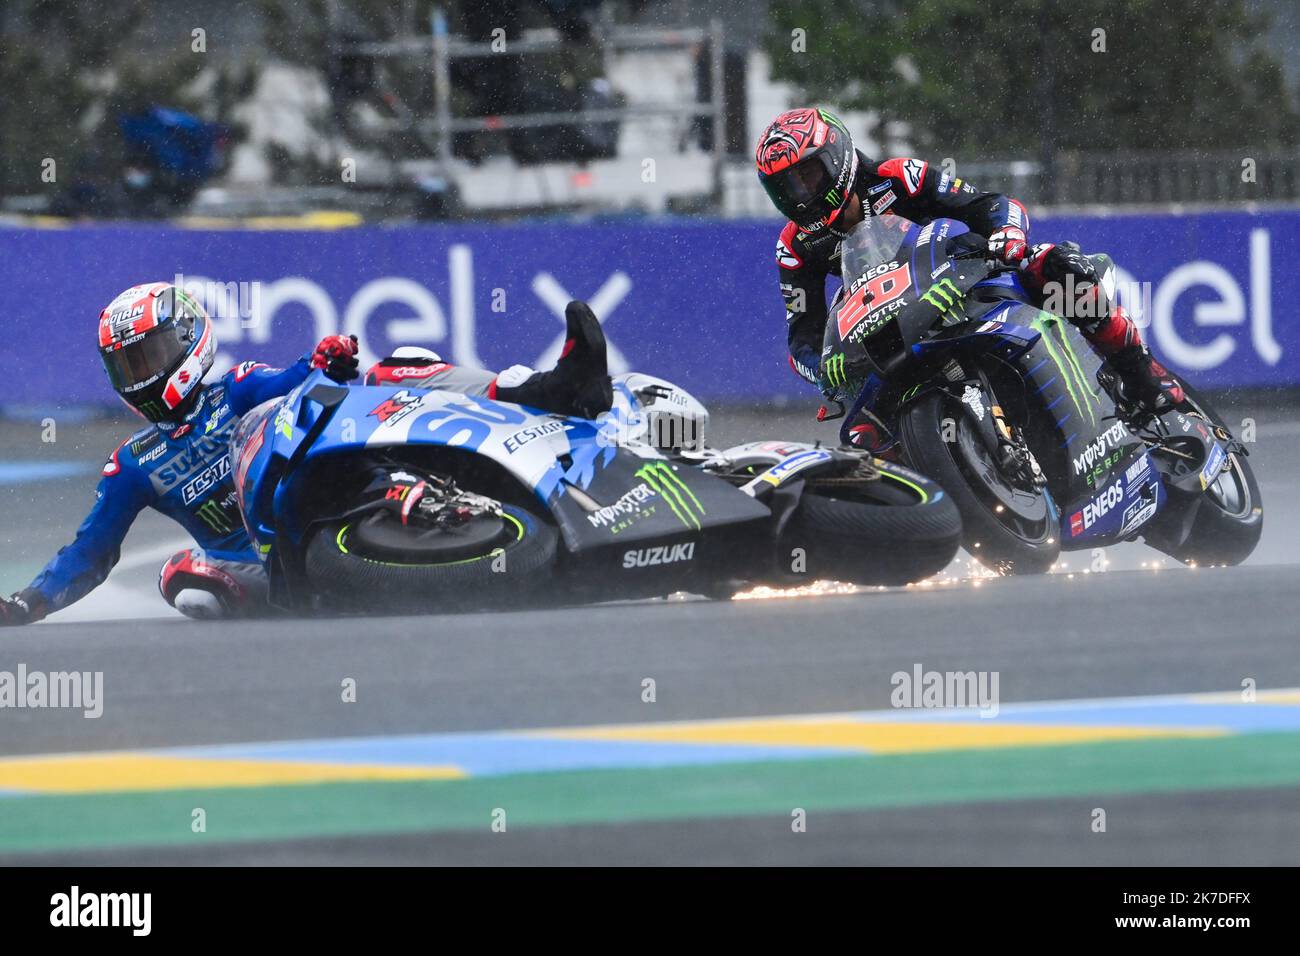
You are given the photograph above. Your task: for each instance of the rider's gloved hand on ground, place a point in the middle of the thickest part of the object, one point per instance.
(337, 355)
(23, 608)
(1009, 245)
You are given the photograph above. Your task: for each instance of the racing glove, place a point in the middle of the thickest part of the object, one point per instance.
(1009, 245)
(337, 355)
(23, 608)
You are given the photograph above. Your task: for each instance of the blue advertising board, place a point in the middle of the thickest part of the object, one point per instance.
(696, 302)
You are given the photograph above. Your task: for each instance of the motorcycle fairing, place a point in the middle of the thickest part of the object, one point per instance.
(1130, 498)
(575, 468)
(882, 314)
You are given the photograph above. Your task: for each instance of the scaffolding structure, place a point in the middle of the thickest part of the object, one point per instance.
(442, 49)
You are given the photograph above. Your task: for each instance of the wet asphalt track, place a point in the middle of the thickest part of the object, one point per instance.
(1126, 631)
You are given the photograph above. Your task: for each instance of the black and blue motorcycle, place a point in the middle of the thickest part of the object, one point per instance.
(1008, 408)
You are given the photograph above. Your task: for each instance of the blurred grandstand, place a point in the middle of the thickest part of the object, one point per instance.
(400, 110)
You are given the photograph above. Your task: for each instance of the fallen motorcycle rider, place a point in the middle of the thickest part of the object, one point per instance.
(157, 344)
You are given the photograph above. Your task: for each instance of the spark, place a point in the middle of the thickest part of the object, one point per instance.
(816, 589)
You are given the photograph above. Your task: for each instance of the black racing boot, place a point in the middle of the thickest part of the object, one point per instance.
(579, 384)
(1145, 382)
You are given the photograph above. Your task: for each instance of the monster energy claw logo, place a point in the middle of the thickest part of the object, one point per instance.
(1067, 363)
(215, 517)
(946, 297)
(834, 370)
(661, 479)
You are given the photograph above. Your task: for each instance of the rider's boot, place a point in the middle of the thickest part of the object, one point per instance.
(866, 430)
(871, 436)
(578, 385)
(1144, 381)
(1146, 384)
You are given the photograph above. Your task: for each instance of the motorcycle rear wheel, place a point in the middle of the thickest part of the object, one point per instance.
(893, 529)
(1229, 517)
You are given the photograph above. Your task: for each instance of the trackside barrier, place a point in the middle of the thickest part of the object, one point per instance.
(696, 301)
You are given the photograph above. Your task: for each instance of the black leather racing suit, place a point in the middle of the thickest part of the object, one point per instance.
(911, 188)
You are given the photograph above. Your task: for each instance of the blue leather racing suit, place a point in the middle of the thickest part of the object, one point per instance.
(181, 470)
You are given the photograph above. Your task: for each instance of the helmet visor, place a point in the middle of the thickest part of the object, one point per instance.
(804, 192)
(137, 365)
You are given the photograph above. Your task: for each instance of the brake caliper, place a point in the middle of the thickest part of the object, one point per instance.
(1016, 460)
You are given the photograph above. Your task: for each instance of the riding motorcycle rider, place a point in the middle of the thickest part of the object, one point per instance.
(157, 344)
(810, 169)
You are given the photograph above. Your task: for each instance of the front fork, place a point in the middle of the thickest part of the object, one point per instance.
(1001, 438)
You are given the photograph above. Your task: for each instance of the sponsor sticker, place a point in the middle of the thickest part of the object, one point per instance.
(785, 258)
(1137, 514)
(415, 371)
(914, 175)
(1096, 449)
(628, 505)
(152, 453)
(525, 435)
(1138, 469)
(1213, 465)
(393, 410)
(783, 470)
(242, 371)
(659, 555)
(973, 398)
(1096, 509)
(206, 480)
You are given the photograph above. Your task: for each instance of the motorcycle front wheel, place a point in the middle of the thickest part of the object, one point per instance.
(1008, 528)
(378, 562)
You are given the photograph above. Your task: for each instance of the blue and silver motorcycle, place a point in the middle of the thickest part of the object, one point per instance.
(1006, 406)
(400, 498)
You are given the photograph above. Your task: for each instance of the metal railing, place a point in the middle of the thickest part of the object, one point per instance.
(443, 48)
(1088, 179)
(1177, 177)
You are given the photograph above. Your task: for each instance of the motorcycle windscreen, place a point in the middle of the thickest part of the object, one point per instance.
(872, 243)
